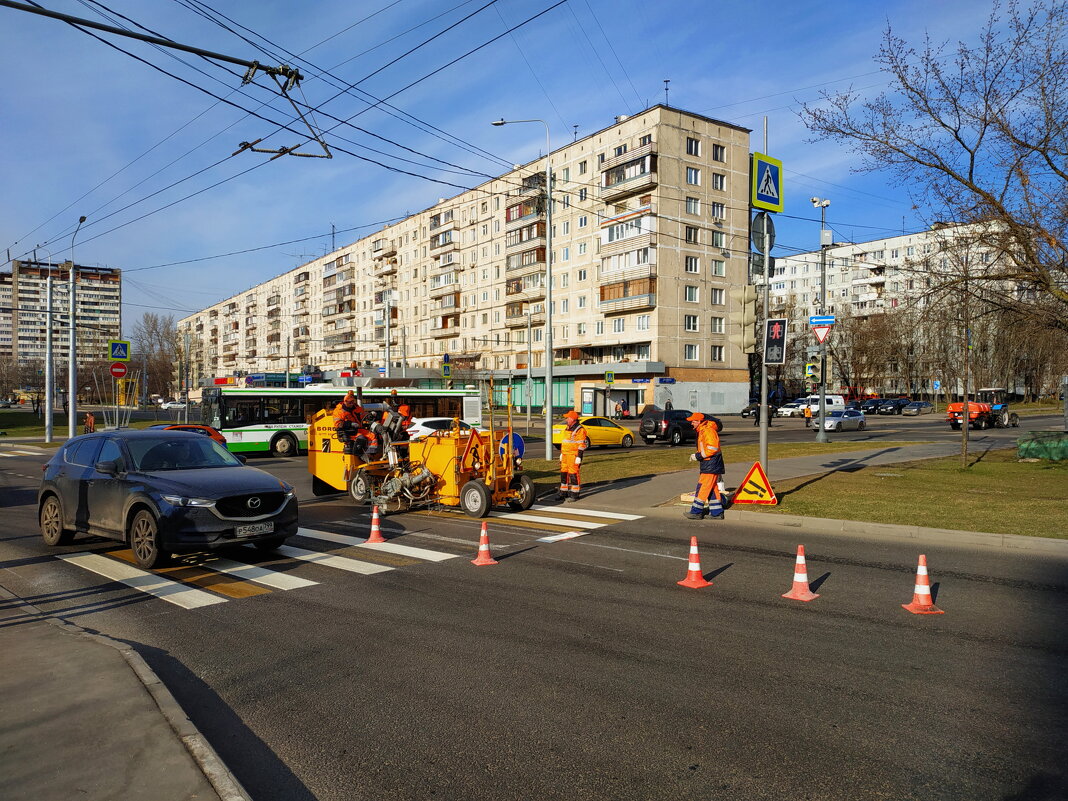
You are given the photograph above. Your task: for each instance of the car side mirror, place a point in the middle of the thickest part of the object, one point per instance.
(241, 458)
(109, 468)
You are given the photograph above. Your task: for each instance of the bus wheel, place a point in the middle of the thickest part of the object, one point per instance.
(284, 445)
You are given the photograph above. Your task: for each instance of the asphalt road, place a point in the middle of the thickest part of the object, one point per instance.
(579, 669)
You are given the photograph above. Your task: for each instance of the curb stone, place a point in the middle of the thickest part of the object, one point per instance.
(222, 781)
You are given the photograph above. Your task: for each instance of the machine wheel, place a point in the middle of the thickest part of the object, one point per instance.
(475, 499)
(628, 440)
(360, 487)
(269, 544)
(1003, 420)
(676, 437)
(980, 424)
(144, 541)
(51, 520)
(525, 485)
(284, 445)
(1014, 420)
(955, 425)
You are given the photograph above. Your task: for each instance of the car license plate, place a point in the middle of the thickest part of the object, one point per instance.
(254, 528)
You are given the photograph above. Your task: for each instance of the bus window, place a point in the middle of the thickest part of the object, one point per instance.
(282, 410)
(242, 412)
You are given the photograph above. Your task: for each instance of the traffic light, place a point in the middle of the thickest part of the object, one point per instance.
(812, 370)
(745, 303)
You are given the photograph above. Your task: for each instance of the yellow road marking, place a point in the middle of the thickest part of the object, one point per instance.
(200, 577)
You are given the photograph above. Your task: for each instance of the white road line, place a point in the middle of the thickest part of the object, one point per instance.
(557, 521)
(386, 547)
(163, 588)
(18, 453)
(587, 512)
(567, 535)
(261, 575)
(329, 560)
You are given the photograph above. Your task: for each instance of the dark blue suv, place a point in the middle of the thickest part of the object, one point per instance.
(162, 492)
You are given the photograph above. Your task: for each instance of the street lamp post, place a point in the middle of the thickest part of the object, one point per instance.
(49, 411)
(72, 377)
(548, 286)
(822, 204)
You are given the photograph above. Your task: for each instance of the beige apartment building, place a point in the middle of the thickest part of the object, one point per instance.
(23, 311)
(649, 232)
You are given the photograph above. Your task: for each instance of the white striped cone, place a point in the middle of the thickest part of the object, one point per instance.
(484, 556)
(800, 590)
(695, 579)
(376, 529)
(922, 603)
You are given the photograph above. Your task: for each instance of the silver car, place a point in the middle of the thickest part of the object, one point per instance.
(844, 420)
(918, 407)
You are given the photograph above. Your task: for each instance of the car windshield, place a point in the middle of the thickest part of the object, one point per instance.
(173, 453)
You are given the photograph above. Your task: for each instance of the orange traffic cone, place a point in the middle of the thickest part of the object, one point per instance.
(376, 530)
(922, 604)
(484, 556)
(695, 579)
(800, 591)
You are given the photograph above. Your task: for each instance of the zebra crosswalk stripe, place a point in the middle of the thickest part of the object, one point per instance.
(559, 521)
(269, 578)
(329, 560)
(385, 547)
(171, 591)
(586, 512)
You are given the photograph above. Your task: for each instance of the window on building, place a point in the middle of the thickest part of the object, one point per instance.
(719, 211)
(717, 353)
(689, 322)
(719, 239)
(716, 297)
(644, 322)
(719, 268)
(620, 150)
(719, 153)
(693, 264)
(580, 329)
(716, 326)
(693, 146)
(690, 294)
(719, 181)
(582, 249)
(581, 275)
(619, 325)
(689, 353)
(691, 235)
(647, 139)
(693, 205)
(582, 195)
(582, 168)
(582, 301)
(598, 327)
(693, 176)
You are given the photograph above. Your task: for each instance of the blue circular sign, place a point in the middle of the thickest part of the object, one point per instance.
(518, 446)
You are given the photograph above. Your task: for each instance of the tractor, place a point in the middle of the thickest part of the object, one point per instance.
(457, 467)
(990, 409)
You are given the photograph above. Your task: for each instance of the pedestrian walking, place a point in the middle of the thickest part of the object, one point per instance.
(624, 409)
(808, 416)
(90, 423)
(667, 405)
(572, 445)
(619, 410)
(709, 456)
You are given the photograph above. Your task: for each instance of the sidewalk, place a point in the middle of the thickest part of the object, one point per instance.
(85, 717)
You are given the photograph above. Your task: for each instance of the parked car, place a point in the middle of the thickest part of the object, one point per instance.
(871, 405)
(792, 409)
(918, 407)
(421, 426)
(671, 426)
(169, 405)
(843, 420)
(893, 405)
(854, 405)
(752, 408)
(162, 492)
(600, 431)
(195, 428)
(5, 404)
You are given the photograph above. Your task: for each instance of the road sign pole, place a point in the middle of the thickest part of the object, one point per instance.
(821, 435)
(765, 408)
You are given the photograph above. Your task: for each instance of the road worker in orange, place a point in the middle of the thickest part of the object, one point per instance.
(709, 455)
(572, 446)
(348, 425)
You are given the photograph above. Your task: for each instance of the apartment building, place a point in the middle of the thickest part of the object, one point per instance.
(23, 310)
(649, 231)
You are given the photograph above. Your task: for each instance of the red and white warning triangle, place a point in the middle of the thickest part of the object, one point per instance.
(821, 332)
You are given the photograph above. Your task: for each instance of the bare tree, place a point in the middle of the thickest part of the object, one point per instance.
(980, 134)
(155, 338)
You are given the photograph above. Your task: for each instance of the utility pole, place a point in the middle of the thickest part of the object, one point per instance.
(48, 355)
(386, 293)
(822, 204)
(72, 377)
(185, 383)
(530, 383)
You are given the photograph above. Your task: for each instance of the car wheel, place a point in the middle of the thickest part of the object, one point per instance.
(360, 487)
(475, 499)
(144, 541)
(51, 520)
(627, 441)
(527, 490)
(269, 544)
(838, 427)
(1014, 420)
(649, 441)
(284, 445)
(862, 425)
(676, 437)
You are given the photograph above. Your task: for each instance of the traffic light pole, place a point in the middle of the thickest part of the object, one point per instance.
(765, 407)
(821, 434)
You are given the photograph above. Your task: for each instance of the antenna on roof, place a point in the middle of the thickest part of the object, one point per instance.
(666, 82)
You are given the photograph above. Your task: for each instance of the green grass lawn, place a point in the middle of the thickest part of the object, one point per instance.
(995, 493)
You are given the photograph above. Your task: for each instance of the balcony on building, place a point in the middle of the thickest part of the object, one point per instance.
(380, 336)
(629, 174)
(382, 249)
(529, 261)
(386, 266)
(444, 242)
(443, 221)
(626, 296)
(447, 325)
(448, 302)
(441, 288)
(524, 212)
(274, 300)
(609, 273)
(382, 297)
(526, 236)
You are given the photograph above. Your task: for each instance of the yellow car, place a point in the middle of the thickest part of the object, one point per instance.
(600, 430)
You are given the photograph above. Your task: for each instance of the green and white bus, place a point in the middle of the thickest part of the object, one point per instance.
(275, 421)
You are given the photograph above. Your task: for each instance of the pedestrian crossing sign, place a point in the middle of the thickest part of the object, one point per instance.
(766, 183)
(119, 350)
(755, 488)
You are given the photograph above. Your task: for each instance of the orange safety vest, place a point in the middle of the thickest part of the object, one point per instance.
(574, 441)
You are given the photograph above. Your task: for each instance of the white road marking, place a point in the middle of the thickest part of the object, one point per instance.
(261, 575)
(587, 512)
(567, 535)
(163, 588)
(329, 560)
(386, 547)
(557, 521)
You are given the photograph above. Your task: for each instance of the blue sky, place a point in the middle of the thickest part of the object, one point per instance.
(89, 130)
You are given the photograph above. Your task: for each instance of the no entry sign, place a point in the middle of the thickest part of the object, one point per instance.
(118, 369)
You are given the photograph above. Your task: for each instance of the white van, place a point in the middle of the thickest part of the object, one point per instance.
(833, 402)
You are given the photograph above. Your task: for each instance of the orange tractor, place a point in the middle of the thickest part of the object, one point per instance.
(989, 410)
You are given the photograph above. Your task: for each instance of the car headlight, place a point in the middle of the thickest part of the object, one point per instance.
(180, 500)
(287, 489)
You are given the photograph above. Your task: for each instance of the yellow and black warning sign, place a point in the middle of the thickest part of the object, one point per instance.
(755, 488)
